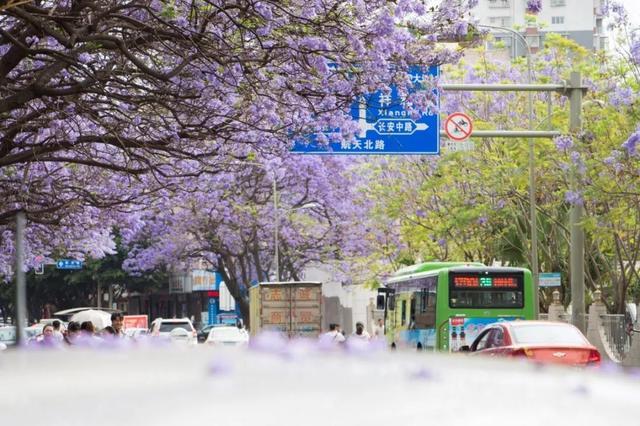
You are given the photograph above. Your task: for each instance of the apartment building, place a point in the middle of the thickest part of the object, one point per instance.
(579, 20)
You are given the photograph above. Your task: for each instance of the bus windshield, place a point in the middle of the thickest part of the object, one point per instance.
(486, 290)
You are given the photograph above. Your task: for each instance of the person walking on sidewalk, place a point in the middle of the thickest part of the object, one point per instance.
(360, 333)
(333, 335)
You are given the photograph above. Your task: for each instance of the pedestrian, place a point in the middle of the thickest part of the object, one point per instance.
(73, 332)
(360, 333)
(117, 322)
(87, 328)
(378, 330)
(46, 339)
(333, 335)
(108, 331)
(57, 332)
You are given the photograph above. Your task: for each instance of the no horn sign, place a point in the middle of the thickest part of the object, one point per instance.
(458, 126)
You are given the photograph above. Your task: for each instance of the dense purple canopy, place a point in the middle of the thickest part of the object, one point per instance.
(108, 107)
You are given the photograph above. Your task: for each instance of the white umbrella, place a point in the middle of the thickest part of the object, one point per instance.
(100, 319)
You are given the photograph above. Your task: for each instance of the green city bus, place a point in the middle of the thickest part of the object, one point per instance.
(445, 305)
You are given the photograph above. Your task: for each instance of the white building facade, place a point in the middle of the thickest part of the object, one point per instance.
(579, 20)
(344, 304)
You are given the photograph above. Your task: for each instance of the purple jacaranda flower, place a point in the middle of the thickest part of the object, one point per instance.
(270, 342)
(84, 57)
(634, 50)
(219, 367)
(581, 390)
(534, 6)
(300, 348)
(563, 142)
(631, 144)
(482, 220)
(574, 198)
(608, 367)
(462, 28)
(442, 242)
(359, 347)
(182, 22)
(622, 96)
(423, 374)
(501, 204)
(633, 373)
(575, 157)
(32, 40)
(421, 213)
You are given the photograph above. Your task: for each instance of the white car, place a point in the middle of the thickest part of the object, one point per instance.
(136, 333)
(176, 329)
(8, 335)
(228, 336)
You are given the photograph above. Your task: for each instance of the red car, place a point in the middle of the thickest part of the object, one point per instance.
(542, 341)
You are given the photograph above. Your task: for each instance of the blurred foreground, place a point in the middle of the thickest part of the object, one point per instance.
(278, 383)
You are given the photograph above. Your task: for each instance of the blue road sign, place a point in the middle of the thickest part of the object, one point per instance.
(549, 279)
(386, 127)
(68, 264)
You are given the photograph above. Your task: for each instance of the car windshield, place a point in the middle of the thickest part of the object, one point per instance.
(547, 335)
(170, 326)
(225, 333)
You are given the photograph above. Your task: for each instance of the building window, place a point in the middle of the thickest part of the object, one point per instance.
(499, 4)
(506, 40)
(557, 20)
(533, 41)
(558, 3)
(500, 21)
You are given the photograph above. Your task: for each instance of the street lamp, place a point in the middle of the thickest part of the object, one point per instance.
(532, 175)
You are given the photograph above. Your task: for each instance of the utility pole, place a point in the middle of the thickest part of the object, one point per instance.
(576, 267)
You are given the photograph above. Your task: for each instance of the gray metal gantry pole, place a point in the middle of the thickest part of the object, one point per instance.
(576, 266)
(276, 223)
(21, 285)
(575, 90)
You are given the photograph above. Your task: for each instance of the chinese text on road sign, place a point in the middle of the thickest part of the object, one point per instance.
(386, 127)
(69, 264)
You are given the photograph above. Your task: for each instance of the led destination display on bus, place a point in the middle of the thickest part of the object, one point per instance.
(463, 281)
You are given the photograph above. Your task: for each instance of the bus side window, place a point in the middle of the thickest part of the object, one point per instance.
(426, 316)
(403, 313)
(412, 312)
(424, 301)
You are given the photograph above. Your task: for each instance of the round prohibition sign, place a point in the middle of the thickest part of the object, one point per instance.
(458, 126)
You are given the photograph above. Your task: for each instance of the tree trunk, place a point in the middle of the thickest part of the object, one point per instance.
(231, 281)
